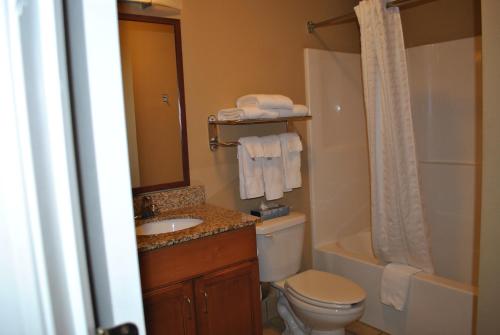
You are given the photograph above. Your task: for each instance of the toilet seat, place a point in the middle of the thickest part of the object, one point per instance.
(325, 290)
(314, 303)
(300, 307)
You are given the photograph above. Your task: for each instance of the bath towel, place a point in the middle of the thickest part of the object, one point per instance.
(272, 167)
(297, 110)
(265, 101)
(395, 284)
(291, 146)
(250, 167)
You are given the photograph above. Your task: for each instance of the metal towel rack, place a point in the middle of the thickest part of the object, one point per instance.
(213, 128)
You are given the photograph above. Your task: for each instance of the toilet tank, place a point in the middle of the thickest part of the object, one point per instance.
(279, 246)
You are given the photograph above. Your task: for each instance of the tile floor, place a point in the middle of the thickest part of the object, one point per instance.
(268, 330)
(360, 328)
(355, 328)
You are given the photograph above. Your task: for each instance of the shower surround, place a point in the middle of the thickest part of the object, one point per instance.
(445, 95)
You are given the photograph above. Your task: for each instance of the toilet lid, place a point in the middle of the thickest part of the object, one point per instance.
(325, 287)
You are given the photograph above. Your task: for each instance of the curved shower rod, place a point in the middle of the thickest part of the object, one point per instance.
(311, 26)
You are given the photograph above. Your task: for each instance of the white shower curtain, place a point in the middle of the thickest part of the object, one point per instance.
(399, 231)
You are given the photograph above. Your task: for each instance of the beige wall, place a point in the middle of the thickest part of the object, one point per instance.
(441, 20)
(232, 48)
(489, 268)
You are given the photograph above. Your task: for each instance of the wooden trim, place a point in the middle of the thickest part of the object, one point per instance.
(158, 187)
(182, 100)
(150, 19)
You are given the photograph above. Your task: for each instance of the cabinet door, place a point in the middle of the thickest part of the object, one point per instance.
(170, 310)
(228, 301)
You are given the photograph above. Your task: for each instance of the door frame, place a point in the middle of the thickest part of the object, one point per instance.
(103, 164)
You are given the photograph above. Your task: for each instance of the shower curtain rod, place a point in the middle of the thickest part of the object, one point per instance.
(311, 26)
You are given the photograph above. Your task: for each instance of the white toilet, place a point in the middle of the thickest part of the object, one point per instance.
(310, 302)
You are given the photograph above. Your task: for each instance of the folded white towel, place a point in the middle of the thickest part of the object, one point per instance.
(395, 284)
(250, 167)
(252, 112)
(265, 101)
(297, 110)
(246, 113)
(291, 146)
(272, 167)
(230, 114)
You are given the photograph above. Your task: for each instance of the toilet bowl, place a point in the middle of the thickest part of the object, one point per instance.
(310, 302)
(316, 302)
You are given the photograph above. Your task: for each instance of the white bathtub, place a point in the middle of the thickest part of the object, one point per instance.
(435, 305)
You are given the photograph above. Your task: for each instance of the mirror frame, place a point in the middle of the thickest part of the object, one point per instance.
(182, 103)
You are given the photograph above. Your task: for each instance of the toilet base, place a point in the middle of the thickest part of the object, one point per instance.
(294, 326)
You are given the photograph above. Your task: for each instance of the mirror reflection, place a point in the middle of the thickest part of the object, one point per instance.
(154, 102)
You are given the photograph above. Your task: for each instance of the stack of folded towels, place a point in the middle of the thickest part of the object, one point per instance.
(262, 106)
(269, 165)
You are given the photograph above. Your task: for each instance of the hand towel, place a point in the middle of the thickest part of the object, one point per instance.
(272, 167)
(230, 114)
(250, 167)
(395, 284)
(265, 101)
(297, 110)
(252, 112)
(291, 146)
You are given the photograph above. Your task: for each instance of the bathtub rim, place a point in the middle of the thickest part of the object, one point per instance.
(336, 249)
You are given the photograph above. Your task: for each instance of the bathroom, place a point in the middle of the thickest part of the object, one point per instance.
(229, 49)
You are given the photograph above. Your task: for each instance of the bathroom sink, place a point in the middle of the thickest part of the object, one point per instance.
(166, 226)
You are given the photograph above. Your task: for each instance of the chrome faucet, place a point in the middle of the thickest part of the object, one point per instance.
(148, 208)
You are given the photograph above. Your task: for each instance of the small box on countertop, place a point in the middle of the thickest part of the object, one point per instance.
(271, 213)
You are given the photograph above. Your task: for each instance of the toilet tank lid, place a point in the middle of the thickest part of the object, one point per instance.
(280, 223)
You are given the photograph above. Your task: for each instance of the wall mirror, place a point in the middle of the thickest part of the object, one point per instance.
(153, 87)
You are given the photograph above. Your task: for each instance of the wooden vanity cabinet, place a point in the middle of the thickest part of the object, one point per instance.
(208, 286)
(228, 301)
(170, 308)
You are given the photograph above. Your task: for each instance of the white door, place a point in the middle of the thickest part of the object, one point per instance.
(68, 259)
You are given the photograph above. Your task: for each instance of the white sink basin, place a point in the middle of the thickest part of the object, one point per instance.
(166, 226)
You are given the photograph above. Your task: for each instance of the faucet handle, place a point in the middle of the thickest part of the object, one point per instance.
(155, 209)
(147, 207)
(146, 202)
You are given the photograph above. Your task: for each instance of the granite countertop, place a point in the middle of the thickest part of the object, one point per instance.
(215, 220)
